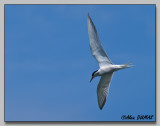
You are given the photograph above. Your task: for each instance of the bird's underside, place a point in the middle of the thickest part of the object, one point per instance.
(106, 66)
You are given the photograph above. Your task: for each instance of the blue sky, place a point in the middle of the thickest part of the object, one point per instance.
(48, 63)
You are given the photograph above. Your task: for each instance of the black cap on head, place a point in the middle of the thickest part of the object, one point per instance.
(94, 72)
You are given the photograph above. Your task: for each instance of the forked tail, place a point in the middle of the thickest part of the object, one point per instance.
(123, 66)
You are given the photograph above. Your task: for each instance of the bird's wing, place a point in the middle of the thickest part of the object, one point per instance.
(95, 45)
(103, 89)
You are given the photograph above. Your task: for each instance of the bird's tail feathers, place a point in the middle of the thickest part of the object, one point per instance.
(127, 65)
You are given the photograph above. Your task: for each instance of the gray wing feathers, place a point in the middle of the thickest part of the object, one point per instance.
(103, 89)
(95, 45)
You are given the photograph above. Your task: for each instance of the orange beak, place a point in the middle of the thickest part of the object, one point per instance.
(91, 79)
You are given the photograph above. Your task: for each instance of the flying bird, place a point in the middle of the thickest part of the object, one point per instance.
(107, 68)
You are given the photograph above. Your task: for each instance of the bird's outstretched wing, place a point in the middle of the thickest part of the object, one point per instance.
(95, 45)
(103, 89)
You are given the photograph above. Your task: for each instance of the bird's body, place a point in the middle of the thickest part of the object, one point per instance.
(107, 68)
(110, 69)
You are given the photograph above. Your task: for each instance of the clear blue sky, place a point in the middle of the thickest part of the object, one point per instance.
(48, 63)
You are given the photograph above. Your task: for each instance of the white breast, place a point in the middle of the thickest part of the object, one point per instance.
(105, 70)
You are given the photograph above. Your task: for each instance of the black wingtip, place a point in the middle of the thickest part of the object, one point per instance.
(100, 107)
(102, 104)
(88, 16)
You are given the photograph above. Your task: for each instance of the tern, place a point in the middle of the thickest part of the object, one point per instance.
(107, 68)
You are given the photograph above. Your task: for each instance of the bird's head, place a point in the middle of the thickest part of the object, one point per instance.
(94, 74)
